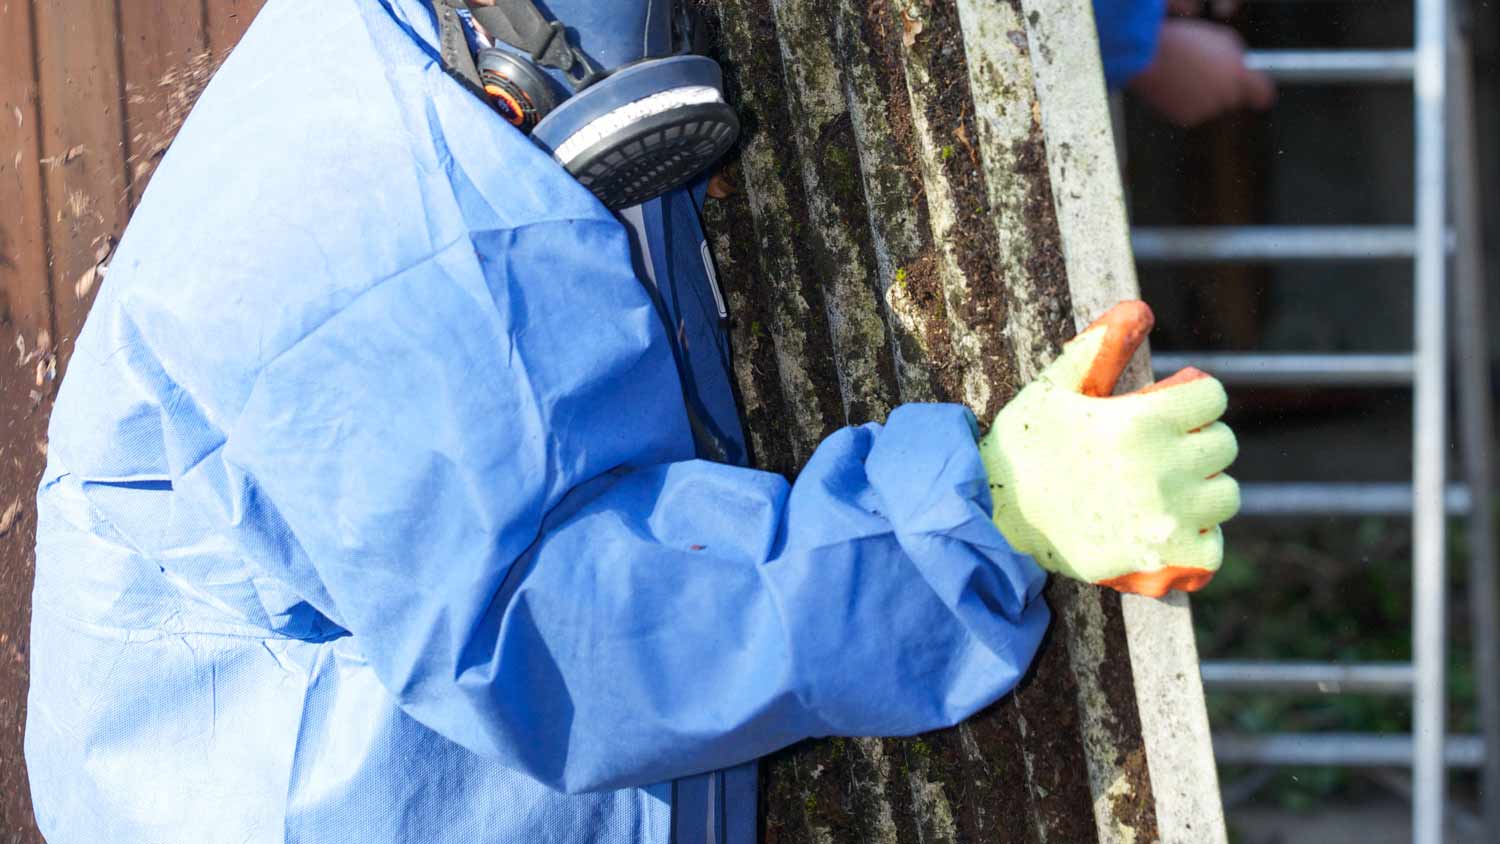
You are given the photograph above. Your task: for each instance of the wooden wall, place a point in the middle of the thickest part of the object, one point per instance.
(90, 93)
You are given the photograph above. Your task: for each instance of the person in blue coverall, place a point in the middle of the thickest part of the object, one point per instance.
(377, 507)
(1187, 70)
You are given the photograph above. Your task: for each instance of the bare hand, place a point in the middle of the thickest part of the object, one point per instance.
(1199, 73)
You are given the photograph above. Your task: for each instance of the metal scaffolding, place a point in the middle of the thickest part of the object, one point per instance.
(1437, 69)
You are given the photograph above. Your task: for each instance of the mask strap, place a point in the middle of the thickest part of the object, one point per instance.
(522, 25)
(453, 46)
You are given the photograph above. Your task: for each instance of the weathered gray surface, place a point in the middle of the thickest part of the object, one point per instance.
(1096, 247)
(895, 236)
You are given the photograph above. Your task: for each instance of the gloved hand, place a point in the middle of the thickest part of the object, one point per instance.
(1125, 491)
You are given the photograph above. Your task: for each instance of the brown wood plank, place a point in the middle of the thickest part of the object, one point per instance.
(25, 297)
(25, 314)
(162, 43)
(23, 423)
(228, 20)
(83, 146)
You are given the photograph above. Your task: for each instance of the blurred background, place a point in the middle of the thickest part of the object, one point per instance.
(1309, 585)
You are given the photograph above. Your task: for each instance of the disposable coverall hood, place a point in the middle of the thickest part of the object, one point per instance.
(375, 511)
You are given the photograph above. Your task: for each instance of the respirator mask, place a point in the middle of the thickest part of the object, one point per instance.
(631, 113)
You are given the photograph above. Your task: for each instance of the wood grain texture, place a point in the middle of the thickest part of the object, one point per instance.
(25, 319)
(162, 41)
(227, 20)
(25, 291)
(83, 149)
(23, 424)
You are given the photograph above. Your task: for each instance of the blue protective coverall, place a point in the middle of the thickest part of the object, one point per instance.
(1128, 31)
(373, 512)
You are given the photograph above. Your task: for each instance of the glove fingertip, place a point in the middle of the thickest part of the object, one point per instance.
(1185, 375)
(1125, 326)
(1155, 584)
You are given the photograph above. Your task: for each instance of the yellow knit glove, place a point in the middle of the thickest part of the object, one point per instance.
(1125, 491)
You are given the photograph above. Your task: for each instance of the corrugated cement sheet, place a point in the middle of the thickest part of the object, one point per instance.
(924, 206)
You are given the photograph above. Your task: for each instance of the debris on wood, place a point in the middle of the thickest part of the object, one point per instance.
(911, 27)
(38, 355)
(46, 370)
(85, 283)
(52, 161)
(8, 518)
(103, 245)
(962, 133)
(78, 203)
(164, 107)
(20, 118)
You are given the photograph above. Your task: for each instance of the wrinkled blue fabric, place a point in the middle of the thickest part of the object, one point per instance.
(373, 511)
(1128, 31)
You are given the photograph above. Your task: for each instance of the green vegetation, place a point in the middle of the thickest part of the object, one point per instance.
(1331, 590)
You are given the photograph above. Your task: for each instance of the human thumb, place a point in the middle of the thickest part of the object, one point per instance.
(1091, 363)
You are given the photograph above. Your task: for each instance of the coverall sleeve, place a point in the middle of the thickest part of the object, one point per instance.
(485, 483)
(1128, 31)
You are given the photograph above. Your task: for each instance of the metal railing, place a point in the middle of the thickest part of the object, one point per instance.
(1335, 67)
(1348, 750)
(1429, 498)
(1326, 370)
(1342, 499)
(1371, 678)
(1238, 244)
